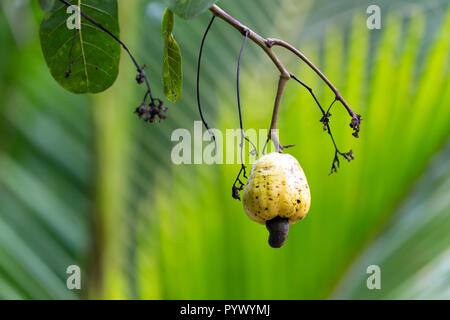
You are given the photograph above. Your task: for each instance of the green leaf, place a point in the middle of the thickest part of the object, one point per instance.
(46, 5)
(167, 23)
(172, 70)
(189, 9)
(90, 55)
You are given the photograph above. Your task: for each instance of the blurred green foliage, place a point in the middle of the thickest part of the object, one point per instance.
(83, 181)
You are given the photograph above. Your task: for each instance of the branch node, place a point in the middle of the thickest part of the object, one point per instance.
(245, 32)
(325, 120)
(269, 43)
(287, 146)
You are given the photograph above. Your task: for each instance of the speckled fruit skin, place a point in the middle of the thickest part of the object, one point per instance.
(277, 186)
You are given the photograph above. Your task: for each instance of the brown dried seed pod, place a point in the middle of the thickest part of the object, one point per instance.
(278, 231)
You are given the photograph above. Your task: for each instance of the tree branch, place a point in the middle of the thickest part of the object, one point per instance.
(155, 107)
(356, 118)
(260, 41)
(276, 42)
(285, 75)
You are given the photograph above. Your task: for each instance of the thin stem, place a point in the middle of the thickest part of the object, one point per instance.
(356, 118)
(260, 41)
(239, 96)
(273, 135)
(255, 149)
(277, 42)
(70, 61)
(263, 152)
(331, 105)
(311, 92)
(238, 185)
(198, 82)
(326, 122)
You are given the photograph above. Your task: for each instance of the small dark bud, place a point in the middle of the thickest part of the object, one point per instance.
(355, 125)
(235, 193)
(142, 110)
(140, 78)
(150, 113)
(325, 120)
(348, 156)
(335, 164)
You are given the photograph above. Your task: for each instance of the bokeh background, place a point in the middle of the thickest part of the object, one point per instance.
(83, 182)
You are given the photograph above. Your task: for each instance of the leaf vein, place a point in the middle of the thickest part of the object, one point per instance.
(98, 9)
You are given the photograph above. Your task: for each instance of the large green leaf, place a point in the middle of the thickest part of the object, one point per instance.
(172, 70)
(87, 60)
(189, 9)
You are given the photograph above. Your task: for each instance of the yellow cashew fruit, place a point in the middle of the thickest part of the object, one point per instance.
(277, 194)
